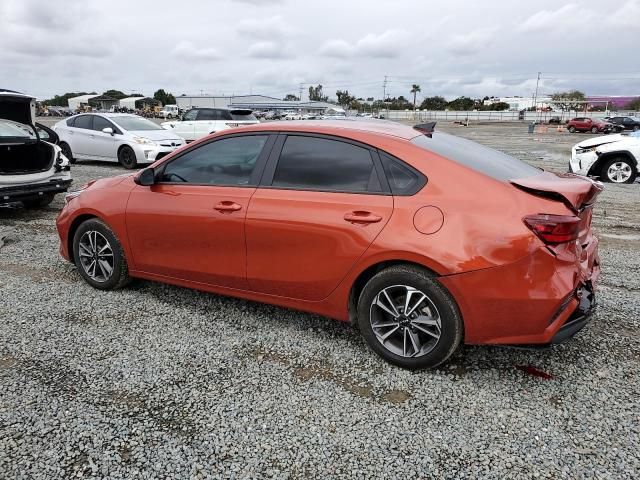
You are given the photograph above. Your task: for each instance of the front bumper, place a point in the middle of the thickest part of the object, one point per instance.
(33, 191)
(151, 153)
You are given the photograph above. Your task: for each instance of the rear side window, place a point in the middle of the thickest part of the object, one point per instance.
(402, 179)
(209, 114)
(83, 121)
(482, 159)
(310, 163)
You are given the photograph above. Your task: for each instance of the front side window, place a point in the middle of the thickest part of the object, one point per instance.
(83, 121)
(310, 163)
(99, 123)
(228, 161)
(190, 115)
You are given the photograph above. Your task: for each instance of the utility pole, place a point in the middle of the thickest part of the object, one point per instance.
(300, 94)
(535, 95)
(384, 92)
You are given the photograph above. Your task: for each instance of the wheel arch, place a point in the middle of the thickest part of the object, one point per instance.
(368, 273)
(596, 168)
(75, 224)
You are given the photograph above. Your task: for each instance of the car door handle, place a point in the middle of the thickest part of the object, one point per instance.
(360, 216)
(228, 206)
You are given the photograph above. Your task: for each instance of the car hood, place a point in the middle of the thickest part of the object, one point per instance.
(592, 142)
(156, 134)
(17, 107)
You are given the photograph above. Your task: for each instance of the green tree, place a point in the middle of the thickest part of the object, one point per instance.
(571, 100)
(433, 103)
(63, 100)
(290, 98)
(461, 104)
(344, 98)
(415, 88)
(633, 105)
(499, 106)
(316, 94)
(117, 94)
(165, 98)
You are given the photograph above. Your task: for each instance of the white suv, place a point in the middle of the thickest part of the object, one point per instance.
(199, 122)
(32, 167)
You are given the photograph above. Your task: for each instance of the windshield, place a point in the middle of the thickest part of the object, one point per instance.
(478, 157)
(246, 115)
(10, 129)
(135, 124)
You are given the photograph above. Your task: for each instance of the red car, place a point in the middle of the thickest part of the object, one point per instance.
(584, 124)
(422, 239)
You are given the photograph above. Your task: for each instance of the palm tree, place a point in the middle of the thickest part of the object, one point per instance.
(414, 89)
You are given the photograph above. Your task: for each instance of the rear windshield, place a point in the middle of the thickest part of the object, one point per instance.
(10, 129)
(243, 115)
(478, 157)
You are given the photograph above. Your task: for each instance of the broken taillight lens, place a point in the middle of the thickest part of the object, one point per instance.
(554, 229)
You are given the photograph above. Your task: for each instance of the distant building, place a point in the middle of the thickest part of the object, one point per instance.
(614, 102)
(520, 103)
(253, 102)
(79, 102)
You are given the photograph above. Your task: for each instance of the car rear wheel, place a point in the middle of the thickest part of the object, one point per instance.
(127, 157)
(66, 151)
(99, 256)
(572, 129)
(594, 129)
(619, 170)
(636, 128)
(408, 318)
(39, 202)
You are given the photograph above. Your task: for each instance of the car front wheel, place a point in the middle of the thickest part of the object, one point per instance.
(99, 256)
(127, 157)
(619, 170)
(408, 318)
(572, 129)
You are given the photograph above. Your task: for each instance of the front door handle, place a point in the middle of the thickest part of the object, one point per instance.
(360, 216)
(228, 207)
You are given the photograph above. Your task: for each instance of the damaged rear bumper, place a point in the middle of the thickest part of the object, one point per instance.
(581, 315)
(33, 191)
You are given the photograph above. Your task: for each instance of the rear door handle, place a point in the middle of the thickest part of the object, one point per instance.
(228, 206)
(360, 216)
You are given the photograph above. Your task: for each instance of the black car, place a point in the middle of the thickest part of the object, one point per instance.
(627, 123)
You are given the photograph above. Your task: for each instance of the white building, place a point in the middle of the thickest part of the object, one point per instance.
(79, 102)
(519, 103)
(253, 102)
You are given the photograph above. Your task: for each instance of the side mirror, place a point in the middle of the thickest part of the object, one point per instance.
(108, 130)
(146, 177)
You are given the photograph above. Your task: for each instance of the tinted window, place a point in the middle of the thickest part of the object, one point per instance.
(229, 161)
(70, 121)
(99, 123)
(209, 114)
(403, 180)
(83, 121)
(322, 164)
(190, 115)
(242, 115)
(478, 157)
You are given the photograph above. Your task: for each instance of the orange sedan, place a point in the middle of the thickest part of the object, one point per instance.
(422, 239)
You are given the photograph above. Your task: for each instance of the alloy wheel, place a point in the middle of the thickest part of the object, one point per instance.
(405, 321)
(96, 256)
(619, 172)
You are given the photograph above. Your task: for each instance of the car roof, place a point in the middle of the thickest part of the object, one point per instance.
(339, 127)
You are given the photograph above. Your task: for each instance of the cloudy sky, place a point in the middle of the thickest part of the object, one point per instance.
(450, 47)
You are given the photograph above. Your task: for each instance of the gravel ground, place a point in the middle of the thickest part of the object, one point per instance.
(155, 381)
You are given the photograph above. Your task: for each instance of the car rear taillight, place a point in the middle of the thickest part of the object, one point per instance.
(554, 229)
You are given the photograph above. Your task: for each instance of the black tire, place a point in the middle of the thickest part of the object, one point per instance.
(127, 157)
(119, 276)
(39, 202)
(66, 151)
(625, 163)
(450, 327)
(594, 129)
(572, 129)
(636, 128)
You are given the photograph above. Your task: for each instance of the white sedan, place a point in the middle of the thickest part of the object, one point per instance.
(115, 137)
(613, 158)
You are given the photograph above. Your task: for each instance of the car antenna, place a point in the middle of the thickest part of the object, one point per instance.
(426, 128)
